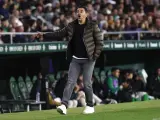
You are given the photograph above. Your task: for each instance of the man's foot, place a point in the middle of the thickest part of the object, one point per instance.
(88, 110)
(62, 109)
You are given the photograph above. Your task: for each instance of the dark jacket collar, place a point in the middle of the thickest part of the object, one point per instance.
(87, 22)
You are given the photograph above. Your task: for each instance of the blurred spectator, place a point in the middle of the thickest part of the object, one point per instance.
(81, 95)
(3, 9)
(113, 83)
(155, 83)
(98, 88)
(36, 88)
(17, 24)
(139, 89)
(1, 41)
(59, 88)
(125, 93)
(5, 25)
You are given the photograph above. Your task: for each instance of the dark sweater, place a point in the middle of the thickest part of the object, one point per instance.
(156, 85)
(138, 86)
(78, 47)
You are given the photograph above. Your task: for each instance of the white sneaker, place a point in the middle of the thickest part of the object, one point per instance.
(62, 109)
(88, 110)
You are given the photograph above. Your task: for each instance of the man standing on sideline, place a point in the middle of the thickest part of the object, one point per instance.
(84, 47)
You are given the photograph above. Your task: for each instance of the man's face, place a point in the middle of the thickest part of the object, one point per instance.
(129, 75)
(158, 23)
(116, 73)
(158, 72)
(81, 78)
(81, 13)
(27, 12)
(5, 23)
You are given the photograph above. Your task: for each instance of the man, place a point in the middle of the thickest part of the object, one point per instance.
(155, 85)
(84, 47)
(113, 83)
(3, 9)
(139, 89)
(5, 25)
(111, 86)
(125, 92)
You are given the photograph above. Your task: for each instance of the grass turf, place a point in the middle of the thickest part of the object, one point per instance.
(149, 110)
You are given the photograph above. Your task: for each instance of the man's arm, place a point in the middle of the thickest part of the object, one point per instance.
(57, 34)
(98, 38)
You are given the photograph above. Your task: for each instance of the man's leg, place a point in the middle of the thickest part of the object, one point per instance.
(156, 94)
(70, 104)
(87, 76)
(74, 71)
(97, 99)
(75, 103)
(81, 98)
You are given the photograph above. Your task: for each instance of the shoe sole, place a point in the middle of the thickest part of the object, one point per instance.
(88, 113)
(60, 111)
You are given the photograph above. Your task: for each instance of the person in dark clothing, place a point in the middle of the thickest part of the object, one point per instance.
(125, 93)
(138, 89)
(156, 85)
(84, 48)
(3, 11)
(36, 88)
(77, 44)
(156, 88)
(59, 88)
(138, 84)
(98, 88)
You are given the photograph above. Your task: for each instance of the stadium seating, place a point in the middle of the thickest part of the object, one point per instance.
(23, 88)
(34, 79)
(58, 76)
(14, 89)
(20, 95)
(29, 84)
(103, 76)
(51, 77)
(96, 73)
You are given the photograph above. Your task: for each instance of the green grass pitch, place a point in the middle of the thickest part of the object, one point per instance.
(149, 110)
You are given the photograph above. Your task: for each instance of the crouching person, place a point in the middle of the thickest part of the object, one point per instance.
(138, 87)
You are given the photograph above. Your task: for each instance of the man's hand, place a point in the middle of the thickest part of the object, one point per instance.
(125, 85)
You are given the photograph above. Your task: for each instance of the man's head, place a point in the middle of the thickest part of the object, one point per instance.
(5, 22)
(158, 23)
(81, 78)
(3, 4)
(115, 72)
(158, 71)
(82, 14)
(129, 74)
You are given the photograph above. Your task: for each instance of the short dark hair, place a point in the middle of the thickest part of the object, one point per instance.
(84, 7)
(2, 2)
(4, 19)
(114, 69)
(129, 71)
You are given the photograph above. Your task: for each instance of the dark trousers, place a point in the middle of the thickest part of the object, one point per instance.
(76, 67)
(124, 96)
(156, 94)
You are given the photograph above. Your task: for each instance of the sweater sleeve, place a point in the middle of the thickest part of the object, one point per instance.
(110, 85)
